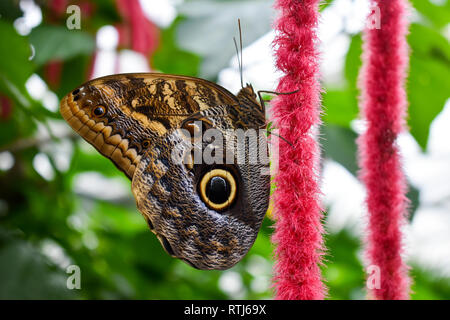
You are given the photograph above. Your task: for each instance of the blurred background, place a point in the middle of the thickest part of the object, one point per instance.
(62, 203)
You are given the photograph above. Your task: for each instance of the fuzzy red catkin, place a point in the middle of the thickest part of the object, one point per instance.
(383, 106)
(298, 212)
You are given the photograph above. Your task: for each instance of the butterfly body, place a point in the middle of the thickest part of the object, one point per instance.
(207, 214)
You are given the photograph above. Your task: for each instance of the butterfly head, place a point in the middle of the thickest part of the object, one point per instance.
(250, 111)
(247, 96)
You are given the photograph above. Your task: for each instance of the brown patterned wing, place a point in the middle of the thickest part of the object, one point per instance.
(206, 213)
(121, 114)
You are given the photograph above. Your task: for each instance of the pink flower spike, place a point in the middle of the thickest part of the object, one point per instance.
(384, 105)
(298, 212)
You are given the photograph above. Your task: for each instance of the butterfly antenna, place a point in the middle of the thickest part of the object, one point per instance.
(239, 61)
(239, 52)
(240, 42)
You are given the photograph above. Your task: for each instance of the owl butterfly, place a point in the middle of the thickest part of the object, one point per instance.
(207, 214)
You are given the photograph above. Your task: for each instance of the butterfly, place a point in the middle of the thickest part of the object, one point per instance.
(175, 138)
(207, 214)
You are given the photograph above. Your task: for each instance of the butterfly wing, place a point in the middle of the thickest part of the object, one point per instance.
(132, 119)
(120, 114)
(206, 226)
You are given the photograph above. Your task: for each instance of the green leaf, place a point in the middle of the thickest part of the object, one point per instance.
(344, 272)
(339, 144)
(15, 52)
(31, 276)
(413, 197)
(59, 43)
(428, 285)
(106, 13)
(74, 72)
(325, 3)
(210, 26)
(20, 125)
(353, 61)
(428, 84)
(15, 69)
(92, 161)
(341, 106)
(10, 10)
(169, 58)
(436, 14)
(117, 218)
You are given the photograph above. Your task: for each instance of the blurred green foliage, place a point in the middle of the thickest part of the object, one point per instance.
(46, 224)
